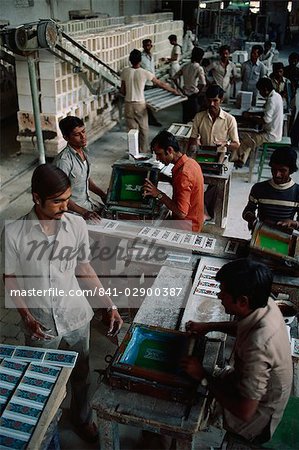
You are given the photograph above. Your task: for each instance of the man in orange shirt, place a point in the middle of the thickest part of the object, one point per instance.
(187, 203)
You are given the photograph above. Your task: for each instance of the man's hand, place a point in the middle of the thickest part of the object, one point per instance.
(115, 323)
(288, 224)
(149, 189)
(92, 215)
(36, 330)
(192, 367)
(197, 327)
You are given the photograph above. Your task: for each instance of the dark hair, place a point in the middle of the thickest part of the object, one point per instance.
(135, 57)
(172, 37)
(223, 48)
(165, 139)
(146, 41)
(268, 44)
(247, 277)
(48, 181)
(266, 83)
(257, 47)
(293, 56)
(277, 66)
(285, 156)
(214, 91)
(197, 54)
(69, 123)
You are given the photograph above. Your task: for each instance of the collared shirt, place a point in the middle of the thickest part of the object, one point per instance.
(188, 191)
(135, 80)
(224, 128)
(274, 202)
(262, 370)
(250, 74)
(222, 74)
(78, 172)
(273, 117)
(148, 63)
(193, 76)
(41, 263)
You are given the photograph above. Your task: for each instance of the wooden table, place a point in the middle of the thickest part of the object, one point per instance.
(182, 422)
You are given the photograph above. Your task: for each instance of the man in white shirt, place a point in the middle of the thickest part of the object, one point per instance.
(148, 63)
(175, 56)
(133, 80)
(271, 121)
(252, 71)
(224, 71)
(45, 251)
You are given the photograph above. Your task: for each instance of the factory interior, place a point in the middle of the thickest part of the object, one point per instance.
(149, 206)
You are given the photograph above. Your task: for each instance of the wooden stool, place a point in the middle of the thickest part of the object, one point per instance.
(285, 142)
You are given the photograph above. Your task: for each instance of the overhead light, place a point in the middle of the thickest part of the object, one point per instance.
(202, 5)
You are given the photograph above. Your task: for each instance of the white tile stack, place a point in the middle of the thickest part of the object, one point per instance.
(63, 92)
(133, 143)
(239, 56)
(246, 99)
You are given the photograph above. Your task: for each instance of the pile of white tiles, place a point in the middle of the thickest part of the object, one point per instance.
(63, 92)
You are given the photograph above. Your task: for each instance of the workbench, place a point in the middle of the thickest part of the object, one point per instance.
(177, 420)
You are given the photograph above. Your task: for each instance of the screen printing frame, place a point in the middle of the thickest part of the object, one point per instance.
(147, 381)
(206, 153)
(118, 170)
(262, 229)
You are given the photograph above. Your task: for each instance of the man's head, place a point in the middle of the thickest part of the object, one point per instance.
(293, 58)
(283, 163)
(244, 286)
(214, 95)
(224, 52)
(166, 147)
(51, 190)
(278, 69)
(267, 46)
(147, 45)
(197, 54)
(264, 86)
(73, 131)
(256, 52)
(172, 39)
(135, 57)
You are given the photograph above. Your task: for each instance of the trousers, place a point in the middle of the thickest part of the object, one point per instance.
(137, 119)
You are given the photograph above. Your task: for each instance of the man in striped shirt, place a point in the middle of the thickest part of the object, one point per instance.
(276, 201)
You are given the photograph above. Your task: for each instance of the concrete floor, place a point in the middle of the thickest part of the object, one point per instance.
(16, 174)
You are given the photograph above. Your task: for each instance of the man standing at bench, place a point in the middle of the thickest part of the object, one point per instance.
(271, 121)
(276, 201)
(254, 392)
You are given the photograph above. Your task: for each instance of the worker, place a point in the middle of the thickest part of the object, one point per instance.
(291, 72)
(267, 56)
(223, 71)
(133, 80)
(276, 201)
(175, 56)
(254, 391)
(281, 85)
(187, 203)
(214, 126)
(33, 262)
(194, 81)
(252, 71)
(148, 63)
(271, 121)
(74, 161)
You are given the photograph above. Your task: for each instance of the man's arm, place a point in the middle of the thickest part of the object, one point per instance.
(151, 190)
(229, 327)
(90, 278)
(97, 190)
(34, 328)
(233, 136)
(123, 88)
(85, 213)
(249, 212)
(165, 86)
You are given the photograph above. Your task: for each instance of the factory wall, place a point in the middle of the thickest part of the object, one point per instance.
(22, 11)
